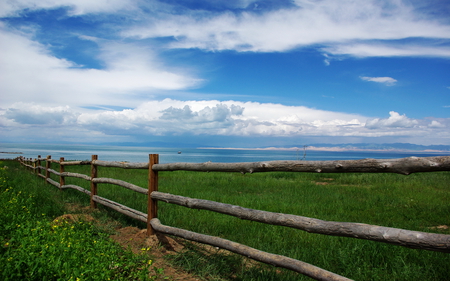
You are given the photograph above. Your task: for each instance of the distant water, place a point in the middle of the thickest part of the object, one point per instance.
(191, 155)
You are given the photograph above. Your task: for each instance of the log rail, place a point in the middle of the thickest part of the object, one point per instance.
(402, 237)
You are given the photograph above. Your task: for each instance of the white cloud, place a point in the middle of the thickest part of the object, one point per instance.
(336, 24)
(388, 49)
(130, 69)
(169, 117)
(214, 117)
(395, 120)
(388, 81)
(32, 114)
(76, 7)
(436, 124)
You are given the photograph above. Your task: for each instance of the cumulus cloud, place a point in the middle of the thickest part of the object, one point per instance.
(395, 120)
(214, 117)
(170, 117)
(218, 113)
(388, 81)
(436, 124)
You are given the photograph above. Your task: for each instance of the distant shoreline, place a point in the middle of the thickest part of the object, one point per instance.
(333, 149)
(5, 152)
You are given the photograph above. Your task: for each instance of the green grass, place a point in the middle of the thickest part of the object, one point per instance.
(415, 202)
(35, 246)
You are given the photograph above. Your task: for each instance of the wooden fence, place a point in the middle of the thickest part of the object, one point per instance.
(402, 237)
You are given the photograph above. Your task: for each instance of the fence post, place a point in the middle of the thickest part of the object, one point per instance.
(152, 205)
(93, 184)
(62, 179)
(47, 167)
(39, 165)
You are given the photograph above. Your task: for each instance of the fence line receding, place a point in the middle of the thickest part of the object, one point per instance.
(402, 237)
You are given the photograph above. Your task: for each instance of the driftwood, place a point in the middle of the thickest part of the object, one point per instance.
(406, 238)
(122, 184)
(124, 165)
(273, 259)
(76, 187)
(403, 166)
(135, 214)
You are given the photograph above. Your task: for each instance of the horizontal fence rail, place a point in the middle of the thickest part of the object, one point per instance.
(276, 260)
(396, 236)
(403, 166)
(402, 237)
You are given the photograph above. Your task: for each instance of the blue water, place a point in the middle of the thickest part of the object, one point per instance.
(191, 155)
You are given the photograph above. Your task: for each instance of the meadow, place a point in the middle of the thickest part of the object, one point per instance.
(415, 202)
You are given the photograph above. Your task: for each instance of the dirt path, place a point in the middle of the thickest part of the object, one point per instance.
(160, 245)
(135, 239)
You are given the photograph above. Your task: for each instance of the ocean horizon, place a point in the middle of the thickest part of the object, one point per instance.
(197, 155)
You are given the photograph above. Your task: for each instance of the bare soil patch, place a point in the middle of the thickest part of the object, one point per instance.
(136, 240)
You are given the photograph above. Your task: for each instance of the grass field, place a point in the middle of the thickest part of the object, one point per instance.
(415, 202)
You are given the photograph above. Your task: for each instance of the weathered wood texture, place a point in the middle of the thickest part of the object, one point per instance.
(122, 184)
(124, 165)
(52, 182)
(28, 166)
(75, 163)
(152, 204)
(406, 238)
(54, 172)
(94, 172)
(135, 214)
(76, 187)
(76, 175)
(276, 260)
(40, 167)
(403, 166)
(62, 179)
(47, 166)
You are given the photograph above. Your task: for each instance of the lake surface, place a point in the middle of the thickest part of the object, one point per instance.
(191, 155)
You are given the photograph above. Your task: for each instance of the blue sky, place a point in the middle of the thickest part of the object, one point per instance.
(236, 73)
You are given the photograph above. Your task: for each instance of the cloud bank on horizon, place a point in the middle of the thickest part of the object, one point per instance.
(243, 73)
